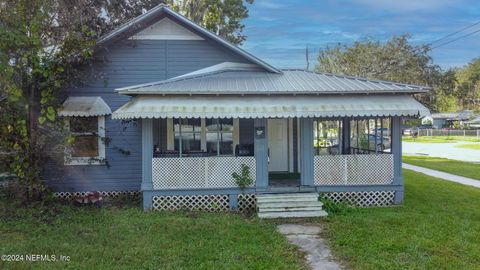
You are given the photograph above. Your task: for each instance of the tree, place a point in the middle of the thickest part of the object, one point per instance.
(468, 85)
(223, 17)
(396, 60)
(40, 46)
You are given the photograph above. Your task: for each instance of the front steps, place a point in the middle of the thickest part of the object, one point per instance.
(287, 205)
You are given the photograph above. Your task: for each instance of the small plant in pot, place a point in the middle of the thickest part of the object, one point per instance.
(244, 179)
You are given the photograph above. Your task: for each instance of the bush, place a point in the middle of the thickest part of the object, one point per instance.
(243, 179)
(335, 208)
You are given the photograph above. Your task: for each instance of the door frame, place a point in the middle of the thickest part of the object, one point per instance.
(290, 154)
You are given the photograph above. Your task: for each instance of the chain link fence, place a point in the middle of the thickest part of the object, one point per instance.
(449, 132)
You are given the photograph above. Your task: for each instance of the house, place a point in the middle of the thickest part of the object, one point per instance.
(172, 110)
(444, 120)
(474, 123)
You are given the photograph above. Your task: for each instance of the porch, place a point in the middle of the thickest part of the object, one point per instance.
(192, 159)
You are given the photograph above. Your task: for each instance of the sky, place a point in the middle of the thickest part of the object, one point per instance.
(278, 31)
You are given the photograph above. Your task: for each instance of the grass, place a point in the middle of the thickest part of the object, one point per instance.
(462, 168)
(441, 139)
(469, 146)
(128, 238)
(438, 227)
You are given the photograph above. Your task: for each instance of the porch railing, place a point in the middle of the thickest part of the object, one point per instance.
(373, 169)
(198, 172)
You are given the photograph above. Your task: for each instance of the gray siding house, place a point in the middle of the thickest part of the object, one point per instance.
(172, 110)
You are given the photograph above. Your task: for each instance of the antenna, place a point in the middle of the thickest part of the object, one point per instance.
(306, 57)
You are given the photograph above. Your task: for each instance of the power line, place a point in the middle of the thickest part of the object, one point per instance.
(453, 40)
(454, 33)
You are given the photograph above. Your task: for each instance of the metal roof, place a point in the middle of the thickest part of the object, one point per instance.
(243, 81)
(253, 106)
(461, 115)
(84, 107)
(142, 21)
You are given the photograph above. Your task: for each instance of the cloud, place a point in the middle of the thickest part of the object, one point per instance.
(278, 31)
(269, 4)
(407, 5)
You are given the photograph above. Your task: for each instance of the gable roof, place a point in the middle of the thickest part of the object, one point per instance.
(155, 14)
(231, 79)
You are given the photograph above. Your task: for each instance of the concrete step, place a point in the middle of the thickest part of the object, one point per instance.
(300, 197)
(290, 209)
(267, 205)
(287, 195)
(295, 214)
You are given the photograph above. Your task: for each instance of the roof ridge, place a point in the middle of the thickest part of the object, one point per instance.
(357, 78)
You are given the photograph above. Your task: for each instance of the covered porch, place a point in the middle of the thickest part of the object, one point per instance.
(192, 145)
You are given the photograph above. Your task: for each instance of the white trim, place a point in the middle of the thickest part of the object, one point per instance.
(290, 144)
(203, 135)
(166, 29)
(170, 135)
(298, 145)
(236, 132)
(98, 160)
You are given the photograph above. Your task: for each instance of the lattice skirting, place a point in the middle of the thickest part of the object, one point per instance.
(247, 203)
(209, 203)
(106, 194)
(364, 198)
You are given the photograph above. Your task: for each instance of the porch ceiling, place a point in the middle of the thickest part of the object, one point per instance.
(154, 106)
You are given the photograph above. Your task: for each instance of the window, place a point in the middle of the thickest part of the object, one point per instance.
(219, 136)
(88, 147)
(370, 135)
(187, 135)
(327, 137)
(193, 137)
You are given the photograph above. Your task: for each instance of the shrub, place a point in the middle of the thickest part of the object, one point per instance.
(243, 179)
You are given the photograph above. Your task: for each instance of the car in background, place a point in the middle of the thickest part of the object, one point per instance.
(413, 131)
(368, 142)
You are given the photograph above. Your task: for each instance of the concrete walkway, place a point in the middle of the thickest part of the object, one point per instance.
(307, 238)
(443, 150)
(444, 175)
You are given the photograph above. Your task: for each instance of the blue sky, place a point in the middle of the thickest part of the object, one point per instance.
(279, 30)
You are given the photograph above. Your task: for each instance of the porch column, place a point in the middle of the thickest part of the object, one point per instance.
(147, 155)
(261, 152)
(306, 151)
(397, 158)
(345, 136)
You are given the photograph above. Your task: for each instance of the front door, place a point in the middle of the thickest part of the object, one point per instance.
(278, 145)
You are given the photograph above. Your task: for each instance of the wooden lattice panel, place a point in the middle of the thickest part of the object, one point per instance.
(107, 194)
(210, 203)
(198, 172)
(247, 203)
(353, 169)
(363, 198)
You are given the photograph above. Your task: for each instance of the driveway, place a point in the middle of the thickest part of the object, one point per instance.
(444, 150)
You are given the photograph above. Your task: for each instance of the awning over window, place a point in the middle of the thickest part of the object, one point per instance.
(156, 106)
(84, 106)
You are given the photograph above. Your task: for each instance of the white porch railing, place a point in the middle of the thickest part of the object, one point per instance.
(198, 172)
(353, 169)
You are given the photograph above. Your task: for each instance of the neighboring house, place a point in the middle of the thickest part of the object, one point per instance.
(474, 123)
(443, 120)
(189, 109)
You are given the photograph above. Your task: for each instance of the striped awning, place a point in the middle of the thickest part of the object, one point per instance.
(84, 107)
(264, 106)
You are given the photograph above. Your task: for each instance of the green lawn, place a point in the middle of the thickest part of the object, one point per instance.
(441, 139)
(466, 169)
(469, 146)
(437, 228)
(127, 238)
